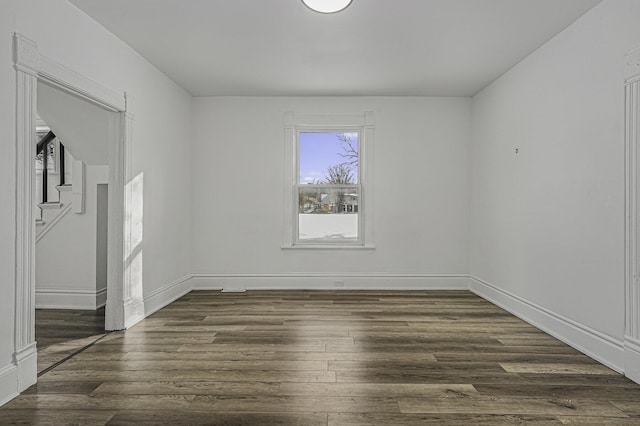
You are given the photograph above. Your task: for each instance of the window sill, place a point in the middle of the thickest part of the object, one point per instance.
(328, 247)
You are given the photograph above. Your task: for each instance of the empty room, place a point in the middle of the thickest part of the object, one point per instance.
(320, 212)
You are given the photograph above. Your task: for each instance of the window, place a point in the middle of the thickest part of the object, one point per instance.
(327, 198)
(52, 152)
(328, 186)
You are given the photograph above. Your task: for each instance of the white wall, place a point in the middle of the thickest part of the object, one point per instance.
(548, 222)
(421, 154)
(8, 210)
(102, 235)
(162, 128)
(71, 257)
(161, 149)
(82, 127)
(66, 258)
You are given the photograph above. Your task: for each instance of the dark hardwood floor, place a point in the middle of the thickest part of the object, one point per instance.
(329, 358)
(61, 332)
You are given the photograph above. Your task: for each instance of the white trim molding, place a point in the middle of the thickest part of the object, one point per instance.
(599, 346)
(632, 358)
(78, 190)
(49, 225)
(171, 292)
(8, 380)
(67, 298)
(295, 124)
(101, 298)
(26, 360)
(322, 281)
(54, 74)
(124, 306)
(32, 68)
(632, 216)
(26, 65)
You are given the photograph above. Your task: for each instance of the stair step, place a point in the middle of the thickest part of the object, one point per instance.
(50, 205)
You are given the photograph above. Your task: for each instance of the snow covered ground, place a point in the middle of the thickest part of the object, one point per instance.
(328, 226)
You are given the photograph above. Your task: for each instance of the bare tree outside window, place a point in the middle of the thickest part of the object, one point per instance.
(340, 174)
(328, 188)
(327, 203)
(349, 147)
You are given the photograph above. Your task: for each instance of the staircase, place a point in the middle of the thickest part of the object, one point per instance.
(50, 213)
(55, 197)
(71, 242)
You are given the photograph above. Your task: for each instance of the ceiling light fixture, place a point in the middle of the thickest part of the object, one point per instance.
(327, 6)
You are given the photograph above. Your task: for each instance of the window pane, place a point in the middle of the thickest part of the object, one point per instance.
(327, 213)
(328, 157)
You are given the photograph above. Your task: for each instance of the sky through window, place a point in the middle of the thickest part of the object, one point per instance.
(321, 150)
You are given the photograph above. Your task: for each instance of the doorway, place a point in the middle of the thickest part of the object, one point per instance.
(31, 69)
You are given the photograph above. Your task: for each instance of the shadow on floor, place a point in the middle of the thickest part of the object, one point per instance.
(61, 332)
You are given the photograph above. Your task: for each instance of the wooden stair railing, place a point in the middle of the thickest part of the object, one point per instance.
(42, 147)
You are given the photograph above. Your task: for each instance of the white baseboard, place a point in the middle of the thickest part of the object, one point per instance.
(632, 359)
(8, 383)
(138, 309)
(63, 298)
(167, 294)
(26, 361)
(242, 282)
(604, 349)
(101, 298)
(133, 312)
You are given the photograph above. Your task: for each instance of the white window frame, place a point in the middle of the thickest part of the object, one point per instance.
(364, 125)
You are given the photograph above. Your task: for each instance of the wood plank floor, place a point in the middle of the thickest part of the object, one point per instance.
(329, 358)
(61, 332)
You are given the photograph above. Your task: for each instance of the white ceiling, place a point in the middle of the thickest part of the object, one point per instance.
(374, 47)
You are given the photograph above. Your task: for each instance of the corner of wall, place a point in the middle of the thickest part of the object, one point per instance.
(632, 359)
(167, 294)
(604, 349)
